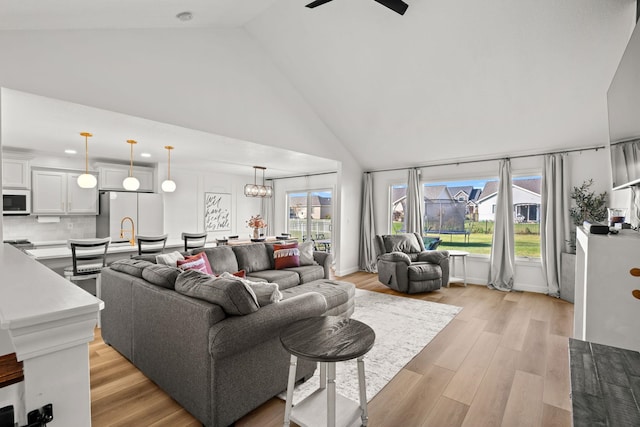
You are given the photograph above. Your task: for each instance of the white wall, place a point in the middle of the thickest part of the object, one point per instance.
(528, 275)
(214, 81)
(184, 208)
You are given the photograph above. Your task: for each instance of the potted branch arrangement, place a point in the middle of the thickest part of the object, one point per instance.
(587, 206)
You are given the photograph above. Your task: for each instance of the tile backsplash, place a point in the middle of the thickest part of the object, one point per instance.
(69, 227)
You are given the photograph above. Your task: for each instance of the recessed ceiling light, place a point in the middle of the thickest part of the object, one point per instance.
(145, 155)
(184, 16)
(70, 151)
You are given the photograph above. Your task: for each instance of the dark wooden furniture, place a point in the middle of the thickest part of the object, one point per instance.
(605, 384)
(327, 340)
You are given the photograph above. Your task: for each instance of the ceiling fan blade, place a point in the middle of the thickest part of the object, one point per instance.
(317, 3)
(396, 5)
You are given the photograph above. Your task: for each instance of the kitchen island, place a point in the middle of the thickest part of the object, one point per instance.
(47, 322)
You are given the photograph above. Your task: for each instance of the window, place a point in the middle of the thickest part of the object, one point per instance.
(398, 205)
(467, 222)
(310, 215)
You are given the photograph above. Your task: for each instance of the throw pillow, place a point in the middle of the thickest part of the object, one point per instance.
(133, 267)
(286, 256)
(306, 253)
(266, 293)
(170, 259)
(232, 295)
(161, 275)
(198, 262)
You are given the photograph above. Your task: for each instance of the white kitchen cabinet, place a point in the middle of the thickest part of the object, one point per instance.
(605, 310)
(111, 177)
(15, 173)
(57, 193)
(81, 200)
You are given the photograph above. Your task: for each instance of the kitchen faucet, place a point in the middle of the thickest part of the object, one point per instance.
(133, 230)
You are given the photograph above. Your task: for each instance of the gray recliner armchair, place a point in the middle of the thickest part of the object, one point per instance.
(405, 265)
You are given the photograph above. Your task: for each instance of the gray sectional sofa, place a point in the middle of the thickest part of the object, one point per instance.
(218, 366)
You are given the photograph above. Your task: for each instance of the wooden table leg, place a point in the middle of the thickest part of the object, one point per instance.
(293, 364)
(362, 385)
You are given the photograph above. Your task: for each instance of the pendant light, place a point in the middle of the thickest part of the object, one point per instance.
(255, 190)
(130, 183)
(86, 180)
(168, 186)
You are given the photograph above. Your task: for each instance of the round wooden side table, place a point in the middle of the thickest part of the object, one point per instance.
(327, 340)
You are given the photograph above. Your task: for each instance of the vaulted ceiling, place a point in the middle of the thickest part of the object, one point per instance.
(448, 80)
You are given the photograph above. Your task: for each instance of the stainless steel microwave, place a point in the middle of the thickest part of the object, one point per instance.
(16, 202)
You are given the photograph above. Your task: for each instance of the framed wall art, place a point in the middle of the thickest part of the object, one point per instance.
(217, 212)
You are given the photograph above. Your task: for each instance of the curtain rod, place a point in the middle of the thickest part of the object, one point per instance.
(596, 148)
(302, 176)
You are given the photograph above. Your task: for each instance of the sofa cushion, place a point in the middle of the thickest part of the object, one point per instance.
(161, 275)
(286, 255)
(306, 253)
(221, 259)
(284, 278)
(266, 293)
(131, 266)
(232, 295)
(336, 293)
(308, 273)
(169, 259)
(406, 243)
(252, 258)
(198, 262)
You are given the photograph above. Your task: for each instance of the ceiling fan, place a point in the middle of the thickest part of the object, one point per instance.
(396, 5)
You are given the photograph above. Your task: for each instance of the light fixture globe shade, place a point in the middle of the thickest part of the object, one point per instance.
(86, 180)
(168, 186)
(262, 191)
(131, 183)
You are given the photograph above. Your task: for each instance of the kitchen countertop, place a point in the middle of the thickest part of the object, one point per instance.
(58, 251)
(31, 294)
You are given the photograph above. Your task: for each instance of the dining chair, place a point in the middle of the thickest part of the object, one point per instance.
(151, 244)
(194, 240)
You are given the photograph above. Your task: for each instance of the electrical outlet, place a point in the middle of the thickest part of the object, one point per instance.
(69, 225)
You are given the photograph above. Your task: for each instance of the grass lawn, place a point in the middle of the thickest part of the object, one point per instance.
(526, 245)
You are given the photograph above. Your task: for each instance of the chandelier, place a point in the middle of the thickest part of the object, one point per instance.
(255, 190)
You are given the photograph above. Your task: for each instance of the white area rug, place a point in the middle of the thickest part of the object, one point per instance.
(403, 326)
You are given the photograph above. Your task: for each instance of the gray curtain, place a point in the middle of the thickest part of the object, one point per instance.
(368, 231)
(413, 217)
(634, 209)
(268, 212)
(502, 261)
(555, 227)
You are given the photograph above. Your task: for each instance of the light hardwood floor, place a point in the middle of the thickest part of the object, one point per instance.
(503, 361)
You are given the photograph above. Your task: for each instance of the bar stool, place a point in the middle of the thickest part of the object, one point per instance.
(154, 244)
(194, 240)
(84, 254)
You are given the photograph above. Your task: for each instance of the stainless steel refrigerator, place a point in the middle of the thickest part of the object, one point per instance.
(145, 209)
